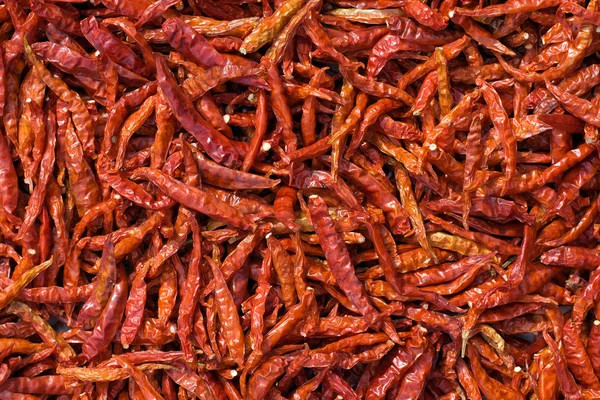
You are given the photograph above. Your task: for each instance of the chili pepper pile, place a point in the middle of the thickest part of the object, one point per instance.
(299, 199)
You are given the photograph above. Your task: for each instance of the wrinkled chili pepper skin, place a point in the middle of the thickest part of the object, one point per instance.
(196, 199)
(213, 142)
(398, 219)
(289, 199)
(104, 41)
(396, 364)
(339, 259)
(571, 256)
(109, 320)
(228, 315)
(8, 178)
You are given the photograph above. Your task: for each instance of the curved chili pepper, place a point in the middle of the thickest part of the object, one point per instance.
(375, 88)
(214, 143)
(347, 93)
(107, 275)
(11, 291)
(80, 113)
(398, 218)
(566, 382)
(319, 37)
(228, 315)
(194, 198)
(103, 40)
(410, 204)
(284, 268)
(43, 329)
(283, 207)
(576, 356)
(339, 259)
(481, 35)
(396, 364)
(217, 175)
(280, 107)
(8, 178)
(489, 386)
(264, 377)
(58, 17)
(269, 27)
(62, 44)
(414, 380)
(109, 320)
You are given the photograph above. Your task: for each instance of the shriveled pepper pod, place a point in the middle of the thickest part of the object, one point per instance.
(299, 199)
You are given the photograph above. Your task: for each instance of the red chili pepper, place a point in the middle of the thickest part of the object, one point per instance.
(339, 259)
(109, 320)
(185, 170)
(195, 198)
(228, 315)
(218, 146)
(395, 365)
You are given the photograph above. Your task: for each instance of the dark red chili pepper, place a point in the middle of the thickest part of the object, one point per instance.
(196, 199)
(109, 320)
(105, 42)
(214, 143)
(329, 198)
(339, 260)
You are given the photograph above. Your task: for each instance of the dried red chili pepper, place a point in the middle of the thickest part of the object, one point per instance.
(195, 198)
(109, 320)
(339, 259)
(214, 143)
(472, 140)
(396, 364)
(80, 114)
(228, 315)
